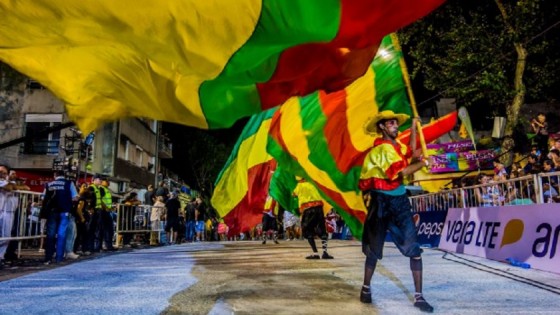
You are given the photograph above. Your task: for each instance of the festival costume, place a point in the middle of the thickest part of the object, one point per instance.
(388, 206)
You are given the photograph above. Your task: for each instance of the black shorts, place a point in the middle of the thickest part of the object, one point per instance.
(313, 223)
(390, 213)
(172, 224)
(268, 223)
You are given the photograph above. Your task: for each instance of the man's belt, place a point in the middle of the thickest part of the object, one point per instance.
(310, 204)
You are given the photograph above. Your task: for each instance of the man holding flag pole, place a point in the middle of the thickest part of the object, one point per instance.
(381, 182)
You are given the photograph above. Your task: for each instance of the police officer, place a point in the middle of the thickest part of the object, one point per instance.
(59, 195)
(99, 207)
(106, 215)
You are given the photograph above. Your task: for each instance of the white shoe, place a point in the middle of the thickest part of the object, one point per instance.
(72, 255)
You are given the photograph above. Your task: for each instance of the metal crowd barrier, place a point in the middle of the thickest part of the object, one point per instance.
(26, 227)
(137, 220)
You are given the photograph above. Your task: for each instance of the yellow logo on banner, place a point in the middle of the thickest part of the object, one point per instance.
(512, 232)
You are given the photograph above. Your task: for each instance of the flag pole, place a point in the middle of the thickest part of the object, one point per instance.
(410, 94)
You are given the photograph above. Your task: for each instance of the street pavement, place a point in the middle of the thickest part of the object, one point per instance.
(250, 278)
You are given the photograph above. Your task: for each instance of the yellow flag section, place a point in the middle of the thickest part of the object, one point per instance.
(95, 54)
(233, 185)
(296, 145)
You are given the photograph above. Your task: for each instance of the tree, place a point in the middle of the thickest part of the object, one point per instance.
(488, 55)
(199, 155)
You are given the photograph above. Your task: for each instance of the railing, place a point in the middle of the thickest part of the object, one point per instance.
(131, 220)
(137, 219)
(26, 227)
(537, 188)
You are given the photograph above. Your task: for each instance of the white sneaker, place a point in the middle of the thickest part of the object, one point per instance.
(72, 255)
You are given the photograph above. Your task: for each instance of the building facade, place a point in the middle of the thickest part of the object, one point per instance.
(127, 151)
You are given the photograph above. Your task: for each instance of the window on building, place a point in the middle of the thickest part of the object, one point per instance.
(41, 143)
(139, 156)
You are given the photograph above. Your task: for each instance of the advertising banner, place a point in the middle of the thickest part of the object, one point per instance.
(527, 234)
(450, 147)
(462, 161)
(458, 157)
(430, 226)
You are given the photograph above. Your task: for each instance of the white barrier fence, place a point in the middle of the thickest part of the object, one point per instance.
(26, 228)
(141, 219)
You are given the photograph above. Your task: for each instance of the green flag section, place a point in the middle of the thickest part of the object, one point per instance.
(242, 185)
(199, 63)
(282, 185)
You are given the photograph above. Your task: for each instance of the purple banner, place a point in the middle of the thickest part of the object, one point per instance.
(450, 147)
(529, 234)
(462, 161)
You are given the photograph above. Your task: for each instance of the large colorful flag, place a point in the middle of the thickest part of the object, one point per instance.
(198, 63)
(321, 137)
(242, 185)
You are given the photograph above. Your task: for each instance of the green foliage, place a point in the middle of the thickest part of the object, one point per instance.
(207, 155)
(465, 50)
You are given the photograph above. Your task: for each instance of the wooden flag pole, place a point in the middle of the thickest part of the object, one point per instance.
(410, 95)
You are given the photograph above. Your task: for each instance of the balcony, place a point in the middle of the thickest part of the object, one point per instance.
(40, 147)
(165, 150)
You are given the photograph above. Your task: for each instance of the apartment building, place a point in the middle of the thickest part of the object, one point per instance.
(127, 151)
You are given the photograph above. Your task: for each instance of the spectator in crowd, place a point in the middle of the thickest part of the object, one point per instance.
(83, 219)
(290, 225)
(19, 184)
(190, 221)
(200, 219)
(8, 205)
(162, 191)
(537, 153)
(556, 143)
(500, 170)
(149, 196)
(172, 218)
(158, 210)
(532, 167)
(330, 222)
(550, 184)
(539, 126)
(222, 230)
(554, 156)
(483, 193)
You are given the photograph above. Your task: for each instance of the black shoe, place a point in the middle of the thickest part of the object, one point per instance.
(314, 256)
(264, 242)
(327, 256)
(423, 305)
(276, 242)
(365, 295)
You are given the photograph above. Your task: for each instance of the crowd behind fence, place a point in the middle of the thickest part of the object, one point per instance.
(530, 189)
(144, 221)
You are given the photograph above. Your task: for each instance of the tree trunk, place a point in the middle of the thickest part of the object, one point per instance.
(512, 110)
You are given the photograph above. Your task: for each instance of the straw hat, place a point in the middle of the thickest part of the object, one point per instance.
(370, 126)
